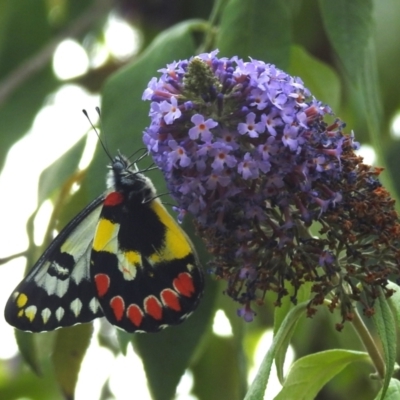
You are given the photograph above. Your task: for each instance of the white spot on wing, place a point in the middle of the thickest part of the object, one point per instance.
(52, 285)
(49, 284)
(81, 268)
(62, 287)
(76, 306)
(59, 269)
(46, 313)
(190, 267)
(59, 313)
(94, 305)
(40, 275)
(81, 238)
(128, 269)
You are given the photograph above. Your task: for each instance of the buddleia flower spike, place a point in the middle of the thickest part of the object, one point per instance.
(257, 160)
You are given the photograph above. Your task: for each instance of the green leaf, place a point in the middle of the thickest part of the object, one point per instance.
(320, 78)
(257, 388)
(256, 28)
(58, 172)
(21, 383)
(309, 374)
(221, 361)
(385, 326)
(27, 347)
(349, 26)
(124, 114)
(211, 369)
(394, 301)
(393, 391)
(124, 339)
(69, 349)
(372, 102)
(280, 313)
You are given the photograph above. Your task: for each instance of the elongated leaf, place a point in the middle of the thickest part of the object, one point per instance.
(257, 388)
(384, 323)
(353, 42)
(60, 171)
(69, 349)
(349, 27)
(370, 93)
(256, 28)
(303, 294)
(309, 374)
(394, 301)
(124, 114)
(221, 361)
(27, 347)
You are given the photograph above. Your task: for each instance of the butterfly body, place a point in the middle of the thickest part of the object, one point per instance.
(123, 257)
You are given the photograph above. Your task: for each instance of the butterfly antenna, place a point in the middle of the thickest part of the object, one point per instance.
(97, 132)
(134, 163)
(145, 153)
(151, 167)
(159, 195)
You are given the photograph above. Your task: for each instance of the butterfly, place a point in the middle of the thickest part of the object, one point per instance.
(122, 257)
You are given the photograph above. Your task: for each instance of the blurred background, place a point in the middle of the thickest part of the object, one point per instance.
(58, 57)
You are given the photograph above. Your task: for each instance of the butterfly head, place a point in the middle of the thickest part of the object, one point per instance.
(125, 177)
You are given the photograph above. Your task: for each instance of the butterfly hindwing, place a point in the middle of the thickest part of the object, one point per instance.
(146, 272)
(57, 292)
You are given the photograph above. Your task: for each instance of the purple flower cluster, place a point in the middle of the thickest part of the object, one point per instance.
(246, 149)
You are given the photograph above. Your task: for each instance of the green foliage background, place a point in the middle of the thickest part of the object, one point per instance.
(347, 53)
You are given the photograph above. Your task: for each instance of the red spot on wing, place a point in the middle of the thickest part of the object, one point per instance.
(135, 314)
(153, 307)
(170, 299)
(118, 306)
(183, 284)
(102, 284)
(113, 199)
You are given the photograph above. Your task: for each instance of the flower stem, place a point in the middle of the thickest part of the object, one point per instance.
(369, 344)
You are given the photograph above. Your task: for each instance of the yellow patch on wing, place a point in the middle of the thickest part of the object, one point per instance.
(176, 243)
(105, 237)
(133, 257)
(22, 299)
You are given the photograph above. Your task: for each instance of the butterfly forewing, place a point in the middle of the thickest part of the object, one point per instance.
(57, 292)
(146, 272)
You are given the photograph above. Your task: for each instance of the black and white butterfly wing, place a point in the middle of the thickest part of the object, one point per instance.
(57, 292)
